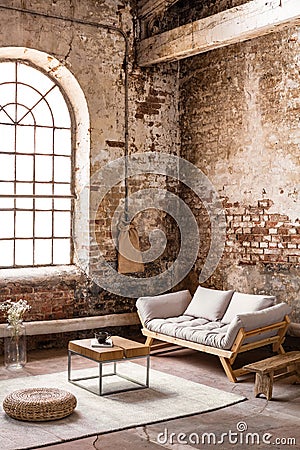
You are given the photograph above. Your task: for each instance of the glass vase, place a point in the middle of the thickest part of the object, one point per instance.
(15, 355)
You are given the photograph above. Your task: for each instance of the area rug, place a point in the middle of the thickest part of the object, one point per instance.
(168, 397)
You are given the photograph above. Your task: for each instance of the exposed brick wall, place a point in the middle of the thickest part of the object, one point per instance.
(95, 57)
(256, 235)
(240, 125)
(61, 295)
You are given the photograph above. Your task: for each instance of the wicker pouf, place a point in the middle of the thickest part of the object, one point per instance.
(39, 404)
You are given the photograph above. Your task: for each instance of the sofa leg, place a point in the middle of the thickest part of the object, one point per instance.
(228, 369)
(149, 341)
(279, 349)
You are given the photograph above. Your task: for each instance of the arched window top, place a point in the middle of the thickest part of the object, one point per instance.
(29, 97)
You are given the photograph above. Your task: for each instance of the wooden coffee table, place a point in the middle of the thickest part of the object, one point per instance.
(122, 350)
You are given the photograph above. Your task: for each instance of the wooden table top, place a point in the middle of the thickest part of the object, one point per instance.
(122, 348)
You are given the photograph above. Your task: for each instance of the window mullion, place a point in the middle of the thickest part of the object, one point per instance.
(33, 200)
(15, 162)
(52, 215)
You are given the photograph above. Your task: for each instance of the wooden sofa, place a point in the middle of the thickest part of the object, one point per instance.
(172, 318)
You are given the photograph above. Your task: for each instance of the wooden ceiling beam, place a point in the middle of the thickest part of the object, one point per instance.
(150, 13)
(150, 7)
(250, 20)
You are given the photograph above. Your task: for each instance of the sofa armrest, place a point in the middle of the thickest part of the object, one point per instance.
(255, 320)
(163, 306)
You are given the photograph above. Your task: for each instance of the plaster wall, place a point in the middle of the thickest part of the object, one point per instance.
(95, 57)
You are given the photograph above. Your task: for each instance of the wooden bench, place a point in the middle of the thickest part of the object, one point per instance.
(273, 369)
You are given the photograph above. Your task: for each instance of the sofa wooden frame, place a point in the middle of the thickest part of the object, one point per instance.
(227, 357)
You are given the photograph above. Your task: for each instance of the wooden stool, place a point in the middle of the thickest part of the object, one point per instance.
(266, 370)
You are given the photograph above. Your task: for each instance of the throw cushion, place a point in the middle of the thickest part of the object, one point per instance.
(209, 303)
(162, 306)
(244, 303)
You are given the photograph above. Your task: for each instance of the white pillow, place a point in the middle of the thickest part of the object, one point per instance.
(208, 304)
(163, 306)
(246, 303)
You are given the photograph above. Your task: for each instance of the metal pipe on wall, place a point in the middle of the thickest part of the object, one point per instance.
(124, 66)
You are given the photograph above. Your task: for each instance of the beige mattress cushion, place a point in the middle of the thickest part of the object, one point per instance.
(218, 334)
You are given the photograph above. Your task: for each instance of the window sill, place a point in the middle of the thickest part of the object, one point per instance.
(39, 274)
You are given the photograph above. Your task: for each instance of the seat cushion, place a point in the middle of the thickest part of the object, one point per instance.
(192, 329)
(210, 304)
(218, 334)
(244, 303)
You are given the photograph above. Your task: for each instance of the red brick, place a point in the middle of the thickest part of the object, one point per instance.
(258, 230)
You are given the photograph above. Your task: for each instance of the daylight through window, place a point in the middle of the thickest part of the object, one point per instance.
(35, 169)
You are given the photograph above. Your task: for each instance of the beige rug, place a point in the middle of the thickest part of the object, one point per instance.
(168, 397)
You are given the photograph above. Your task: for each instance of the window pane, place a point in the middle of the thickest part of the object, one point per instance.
(44, 140)
(24, 224)
(62, 168)
(24, 203)
(43, 189)
(6, 253)
(24, 116)
(42, 114)
(24, 252)
(43, 168)
(7, 94)
(62, 224)
(62, 189)
(43, 224)
(7, 167)
(6, 188)
(6, 224)
(7, 72)
(9, 113)
(62, 203)
(43, 203)
(61, 251)
(34, 77)
(24, 166)
(43, 251)
(58, 104)
(24, 139)
(4, 118)
(24, 189)
(62, 142)
(7, 138)
(26, 95)
(7, 203)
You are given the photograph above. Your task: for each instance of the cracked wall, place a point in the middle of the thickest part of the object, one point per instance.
(95, 56)
(240, 126)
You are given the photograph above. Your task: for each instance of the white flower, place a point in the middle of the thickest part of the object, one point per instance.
(15, 311)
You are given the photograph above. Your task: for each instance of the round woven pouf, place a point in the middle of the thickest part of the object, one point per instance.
(39, 404)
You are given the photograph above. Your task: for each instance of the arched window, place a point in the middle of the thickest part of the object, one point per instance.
(36, 167)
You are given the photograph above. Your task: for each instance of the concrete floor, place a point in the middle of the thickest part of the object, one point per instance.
(275, 422)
